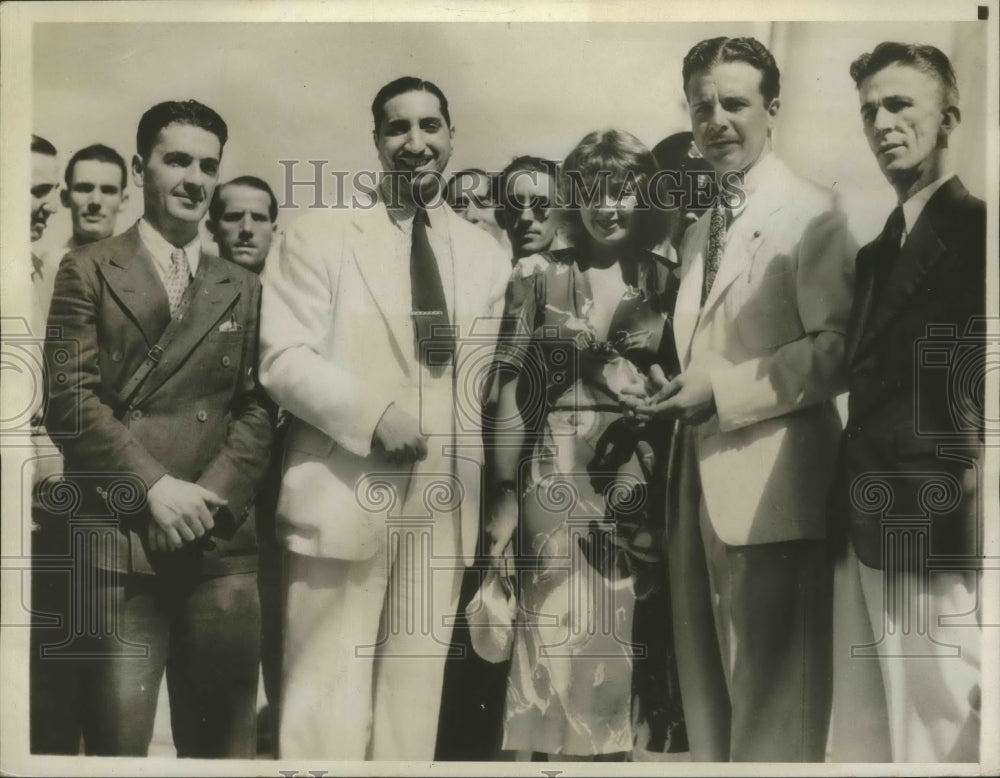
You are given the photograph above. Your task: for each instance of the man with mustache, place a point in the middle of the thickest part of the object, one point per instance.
(362, 328)
(243, 217)
(912, 428)
(759, 324)
(165, 433)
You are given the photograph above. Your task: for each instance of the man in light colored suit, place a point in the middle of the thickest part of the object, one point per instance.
(759, 325)
(379, 504)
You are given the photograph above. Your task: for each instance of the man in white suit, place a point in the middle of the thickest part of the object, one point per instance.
(759, 325)
(363, 323)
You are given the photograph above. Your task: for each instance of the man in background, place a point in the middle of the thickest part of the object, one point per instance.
(94, 194)
(243, 217)
(528, 209)
(44, 203)
(470, 193)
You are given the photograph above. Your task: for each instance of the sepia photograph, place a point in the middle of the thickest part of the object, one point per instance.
(499, 389)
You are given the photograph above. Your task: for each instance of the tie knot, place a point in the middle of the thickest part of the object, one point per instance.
(895, 226)
(420, 217)
(178, 258)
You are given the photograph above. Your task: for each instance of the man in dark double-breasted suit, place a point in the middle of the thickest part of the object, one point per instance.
(153, 393)
(912, 449)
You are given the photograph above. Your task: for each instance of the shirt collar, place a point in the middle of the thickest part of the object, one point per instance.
(914, 206)
(161, 248)
(402, 215)
(752, 179)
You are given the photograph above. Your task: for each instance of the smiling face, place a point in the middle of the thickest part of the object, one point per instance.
(178, 179)
(729, 118)
(414, 137)
(244, 229)
(44, 191)
(94, 198)
(906, 123)
(611, 221)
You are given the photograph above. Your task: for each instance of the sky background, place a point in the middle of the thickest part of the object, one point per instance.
(303, 91)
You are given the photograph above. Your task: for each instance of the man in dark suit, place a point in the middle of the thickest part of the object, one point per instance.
(165, 433)
(912, 448)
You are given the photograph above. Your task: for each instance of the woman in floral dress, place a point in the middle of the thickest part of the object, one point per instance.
(577, 498)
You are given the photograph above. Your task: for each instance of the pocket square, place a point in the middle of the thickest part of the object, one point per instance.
(230, 326)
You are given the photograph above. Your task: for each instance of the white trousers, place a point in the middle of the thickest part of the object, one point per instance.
(365, 646)
(928, 643)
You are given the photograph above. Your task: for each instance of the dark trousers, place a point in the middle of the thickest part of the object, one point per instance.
(204, 633)
(474, 693)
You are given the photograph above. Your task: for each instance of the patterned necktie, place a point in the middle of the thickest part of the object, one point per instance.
(430, 309)
(716, 245)
(178, 278)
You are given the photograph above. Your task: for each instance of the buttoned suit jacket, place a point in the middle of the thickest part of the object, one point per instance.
(916, 356)
(337, 350)
(771, 336)
(200, 415)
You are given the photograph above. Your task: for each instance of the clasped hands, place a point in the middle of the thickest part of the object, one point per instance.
(688, 397)
(181, 512)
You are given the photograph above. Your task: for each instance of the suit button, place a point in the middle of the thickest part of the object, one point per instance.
(116, 356)
(136, 415)
(202, 416)
(226, 361)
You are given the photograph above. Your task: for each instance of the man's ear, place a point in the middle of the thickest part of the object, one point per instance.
(64, 197)
(952, 118)
(772, 113)
(137, 170)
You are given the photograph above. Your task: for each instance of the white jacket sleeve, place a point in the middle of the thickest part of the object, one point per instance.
(301, 291)
(810, 369)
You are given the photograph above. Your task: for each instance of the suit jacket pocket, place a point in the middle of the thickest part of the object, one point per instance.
(766, 312)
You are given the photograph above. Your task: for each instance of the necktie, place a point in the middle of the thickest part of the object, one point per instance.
(716, 245)
(178, 278)
(892, 235)
(431, 324)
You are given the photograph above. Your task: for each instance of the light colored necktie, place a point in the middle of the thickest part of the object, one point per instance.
(177, 279)
(716, 245)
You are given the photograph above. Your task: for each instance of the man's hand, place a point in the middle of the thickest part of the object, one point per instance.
(182, 512)
(635, 400)
(689, 397)
(397, 437)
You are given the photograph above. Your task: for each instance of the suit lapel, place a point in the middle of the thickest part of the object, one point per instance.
(688, 304)
(211, 294)
(921, 252)
(864, 294)
(389, 283)
(129, 273)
